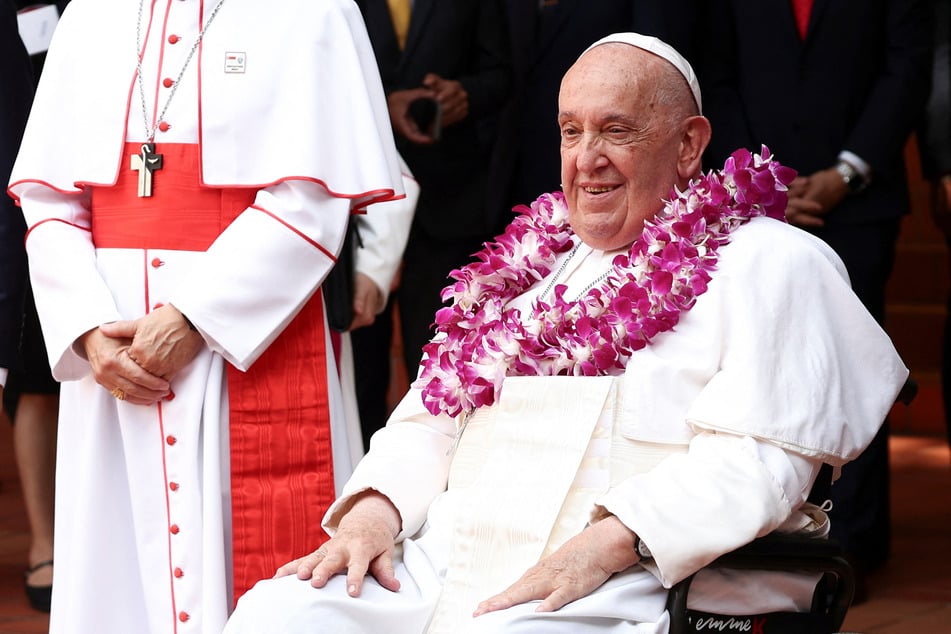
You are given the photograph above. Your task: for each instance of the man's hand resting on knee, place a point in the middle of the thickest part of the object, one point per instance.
(363, 542)
(573, 571)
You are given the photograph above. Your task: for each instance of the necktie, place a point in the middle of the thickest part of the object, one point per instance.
(802, 9)
(399, 12)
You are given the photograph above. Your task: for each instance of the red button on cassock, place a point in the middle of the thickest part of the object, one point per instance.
(173, 39)
(156, 262)
(183, 616)
(164, 126)
(173, 486)
(171, 440)
(179, 573)
(168, 82)
(174, 529)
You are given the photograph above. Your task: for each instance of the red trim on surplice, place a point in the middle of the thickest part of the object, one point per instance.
(280, 444)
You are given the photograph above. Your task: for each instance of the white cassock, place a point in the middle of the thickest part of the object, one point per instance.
(711, 437)
(281, 105)
(383, 231)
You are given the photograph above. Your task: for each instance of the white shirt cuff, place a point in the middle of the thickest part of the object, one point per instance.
(855, 161)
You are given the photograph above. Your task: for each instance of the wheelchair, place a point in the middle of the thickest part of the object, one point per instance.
(784, 553)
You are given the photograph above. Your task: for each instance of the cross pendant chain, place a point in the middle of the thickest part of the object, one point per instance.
(460, 429)
(146, 163)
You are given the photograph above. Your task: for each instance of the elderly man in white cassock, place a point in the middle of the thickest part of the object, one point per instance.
(641, 374)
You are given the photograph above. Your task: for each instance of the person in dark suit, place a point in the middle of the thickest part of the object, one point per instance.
(15, 98)
(934, 144)
(455, 54)
(31, 393)
(547, 38)
(834, 89)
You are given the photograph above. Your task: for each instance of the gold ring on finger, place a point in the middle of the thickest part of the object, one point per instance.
(118, 393)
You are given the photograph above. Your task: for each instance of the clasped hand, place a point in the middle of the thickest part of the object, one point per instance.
(367, 301)
(364, 543)
(450, 94)
(812, 197)
(140, 357)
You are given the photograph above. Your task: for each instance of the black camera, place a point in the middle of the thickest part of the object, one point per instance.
(427, 113)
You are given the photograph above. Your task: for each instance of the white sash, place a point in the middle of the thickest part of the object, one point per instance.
(525, 480)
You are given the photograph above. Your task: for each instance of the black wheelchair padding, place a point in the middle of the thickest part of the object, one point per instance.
(789, 553)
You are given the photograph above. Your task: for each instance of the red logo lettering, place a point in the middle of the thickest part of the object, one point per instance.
(759, 625)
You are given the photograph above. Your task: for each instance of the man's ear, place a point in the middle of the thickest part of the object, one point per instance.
(696, 136)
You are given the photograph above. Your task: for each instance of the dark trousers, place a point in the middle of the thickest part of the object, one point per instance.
(860, 515)
(371, 368)
(31, 374)
(946, 366)
(426, 266)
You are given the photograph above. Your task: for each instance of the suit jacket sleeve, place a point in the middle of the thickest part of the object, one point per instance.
(895, 103)
(488, 86)
(934, 135)
(858, 82)
(717, 67)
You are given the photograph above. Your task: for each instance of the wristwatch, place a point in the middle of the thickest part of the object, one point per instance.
(852, 177)
(641, 548)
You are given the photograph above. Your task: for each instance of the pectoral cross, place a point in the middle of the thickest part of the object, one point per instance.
(146, 163)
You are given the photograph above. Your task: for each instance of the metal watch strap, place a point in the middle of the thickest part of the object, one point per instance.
(852, 177)
(641, 548)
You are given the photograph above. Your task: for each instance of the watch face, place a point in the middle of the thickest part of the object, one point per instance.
(642, 550)
(852, 177)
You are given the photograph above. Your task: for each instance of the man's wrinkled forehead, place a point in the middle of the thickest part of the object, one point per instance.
(662, 50)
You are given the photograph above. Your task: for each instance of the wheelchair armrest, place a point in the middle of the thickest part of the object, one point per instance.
(791, 553)
(785, 553)
(907, 392)
(781, 545)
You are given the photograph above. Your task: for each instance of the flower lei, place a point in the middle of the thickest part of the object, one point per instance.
(480, 340)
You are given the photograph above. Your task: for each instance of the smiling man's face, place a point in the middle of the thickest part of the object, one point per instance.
(619, 151)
